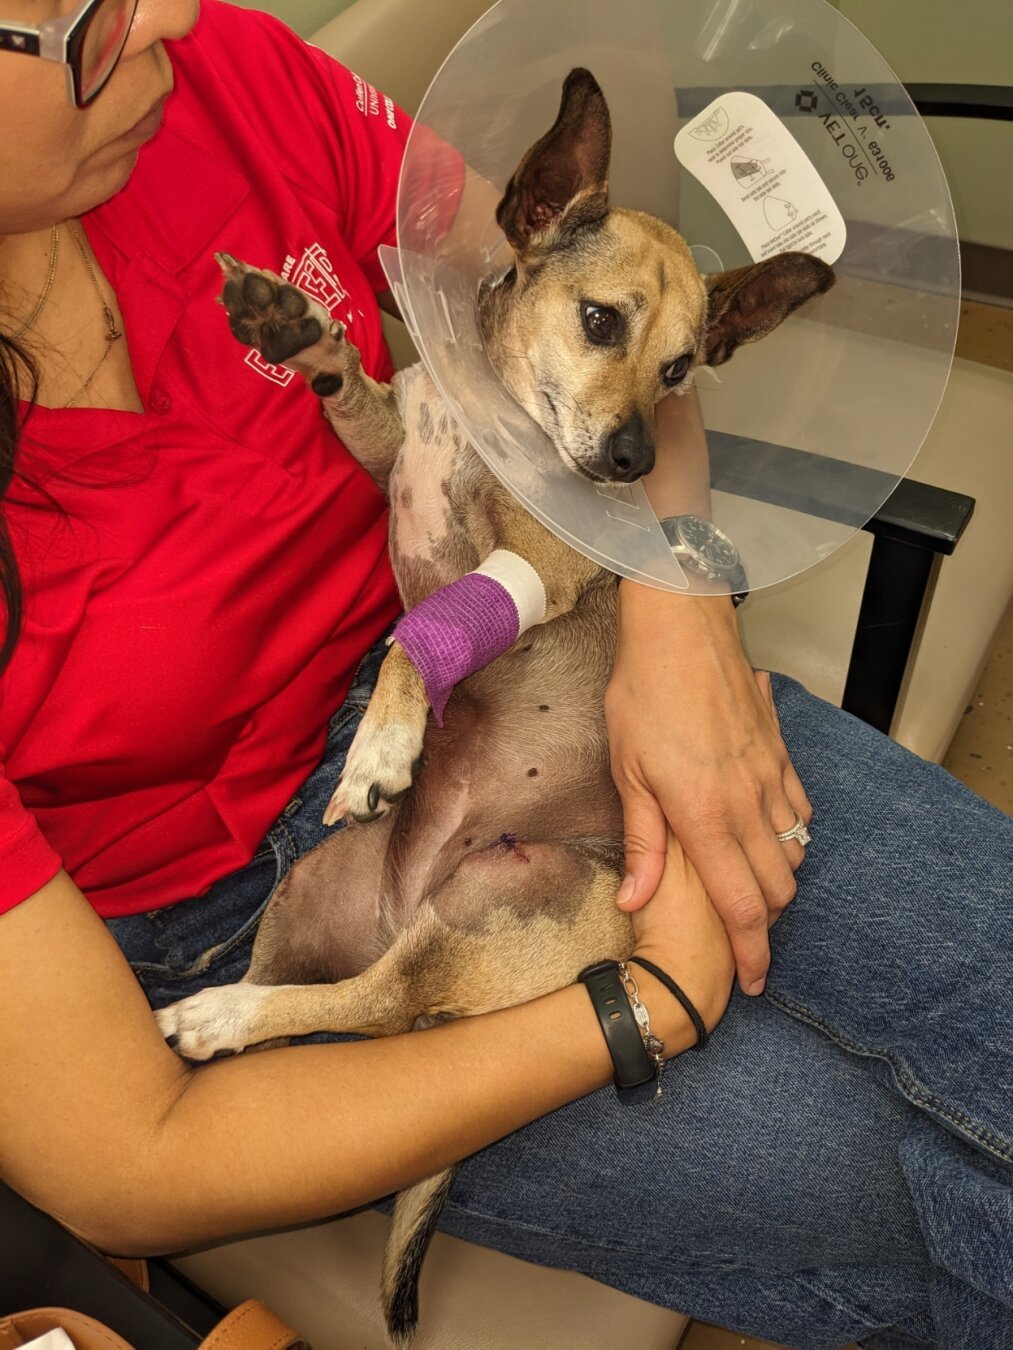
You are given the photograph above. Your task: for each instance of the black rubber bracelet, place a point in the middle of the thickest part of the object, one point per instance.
(684, 999)
(635, 1071)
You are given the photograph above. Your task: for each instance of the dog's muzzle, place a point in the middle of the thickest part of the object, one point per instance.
(627, 453)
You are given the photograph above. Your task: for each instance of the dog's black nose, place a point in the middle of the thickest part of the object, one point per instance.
(629, 452)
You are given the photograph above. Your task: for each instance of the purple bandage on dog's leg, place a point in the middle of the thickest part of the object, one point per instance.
(460, 629)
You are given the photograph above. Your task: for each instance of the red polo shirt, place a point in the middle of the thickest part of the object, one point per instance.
(201, 578)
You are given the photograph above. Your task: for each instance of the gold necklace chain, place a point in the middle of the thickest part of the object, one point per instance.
(54, 253)
(112, 333)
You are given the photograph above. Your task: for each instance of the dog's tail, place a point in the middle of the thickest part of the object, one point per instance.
(416, 1211)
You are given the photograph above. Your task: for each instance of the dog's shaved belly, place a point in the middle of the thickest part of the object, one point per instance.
(514, 806)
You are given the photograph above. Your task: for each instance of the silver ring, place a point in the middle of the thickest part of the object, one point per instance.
(798, 831)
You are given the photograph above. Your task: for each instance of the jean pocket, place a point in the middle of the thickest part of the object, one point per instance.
(193, 939)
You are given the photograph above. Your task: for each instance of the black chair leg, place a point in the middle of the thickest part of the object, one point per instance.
(898, 587)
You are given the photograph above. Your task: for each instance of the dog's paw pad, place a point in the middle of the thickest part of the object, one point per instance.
(272, 315)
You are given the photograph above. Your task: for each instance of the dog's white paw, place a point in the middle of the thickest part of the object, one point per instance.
(213, 1021)
(380, 767)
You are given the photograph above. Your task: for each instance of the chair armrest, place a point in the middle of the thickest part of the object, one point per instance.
(928, 517)
(991, 101)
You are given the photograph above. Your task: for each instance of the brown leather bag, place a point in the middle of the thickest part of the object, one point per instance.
(251, 1326)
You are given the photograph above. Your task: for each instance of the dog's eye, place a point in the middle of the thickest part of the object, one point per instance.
(676, 372)
(602, 324)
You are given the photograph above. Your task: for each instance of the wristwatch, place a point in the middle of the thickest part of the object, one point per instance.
(708, 551)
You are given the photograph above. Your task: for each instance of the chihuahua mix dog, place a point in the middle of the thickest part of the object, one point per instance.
(483, 856)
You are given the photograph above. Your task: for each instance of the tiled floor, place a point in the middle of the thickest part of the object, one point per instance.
(986, 334)
(981, 753)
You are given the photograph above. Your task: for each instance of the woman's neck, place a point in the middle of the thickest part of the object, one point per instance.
(59, 305)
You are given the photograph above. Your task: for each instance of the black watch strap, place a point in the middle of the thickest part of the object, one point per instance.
(634, 1070)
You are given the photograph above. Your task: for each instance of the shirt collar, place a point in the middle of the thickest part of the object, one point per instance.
(175, 203)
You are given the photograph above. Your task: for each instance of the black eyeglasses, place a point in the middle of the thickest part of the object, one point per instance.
(88, 42)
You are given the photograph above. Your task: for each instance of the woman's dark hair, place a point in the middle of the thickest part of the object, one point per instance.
(16, 373)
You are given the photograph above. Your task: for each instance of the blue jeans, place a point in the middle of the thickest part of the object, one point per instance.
(837, 1165)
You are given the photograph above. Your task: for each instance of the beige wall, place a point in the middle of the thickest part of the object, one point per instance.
(968, 43)
(305, 16)
(924, 40)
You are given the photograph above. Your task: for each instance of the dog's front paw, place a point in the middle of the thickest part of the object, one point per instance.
(213, 1022)
(379, 771)
(287, 326)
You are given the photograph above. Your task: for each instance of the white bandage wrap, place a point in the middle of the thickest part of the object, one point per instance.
(520, 580)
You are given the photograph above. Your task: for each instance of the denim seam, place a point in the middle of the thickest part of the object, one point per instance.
(915, 1093)
(612, 1246)
(340, 719)
(681, 1265)
(291, 842)
(827, 1296)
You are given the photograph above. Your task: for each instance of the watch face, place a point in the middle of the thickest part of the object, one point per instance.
(707, 544)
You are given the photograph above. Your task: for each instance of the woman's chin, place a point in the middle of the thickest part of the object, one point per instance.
(107, 181)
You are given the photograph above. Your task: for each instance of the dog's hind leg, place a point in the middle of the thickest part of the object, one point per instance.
(290, 328)
(234, 1016)
(515, 921)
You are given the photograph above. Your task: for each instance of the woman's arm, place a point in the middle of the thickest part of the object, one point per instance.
(696, 747)
(103, 1126)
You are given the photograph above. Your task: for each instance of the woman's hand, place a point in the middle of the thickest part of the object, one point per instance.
(696, 747)
(681, 932)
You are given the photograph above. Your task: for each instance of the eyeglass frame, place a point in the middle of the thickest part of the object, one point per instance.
(62, 40)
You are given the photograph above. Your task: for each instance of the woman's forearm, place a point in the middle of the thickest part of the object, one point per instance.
(310, 1131)
(679, 483)
(102, 1125)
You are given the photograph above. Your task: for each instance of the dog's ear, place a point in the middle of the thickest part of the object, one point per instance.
(561, 184)
(749, 302)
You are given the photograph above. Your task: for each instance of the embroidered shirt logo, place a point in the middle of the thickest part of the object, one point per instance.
(314, 274)
(368, 101)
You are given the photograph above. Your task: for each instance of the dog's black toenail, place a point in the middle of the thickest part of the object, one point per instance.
(326, 385)
(373, 796)
(172, 1041)
(291, 302)
(257, 290)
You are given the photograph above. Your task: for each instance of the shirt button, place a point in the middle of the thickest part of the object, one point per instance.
(160, 401)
